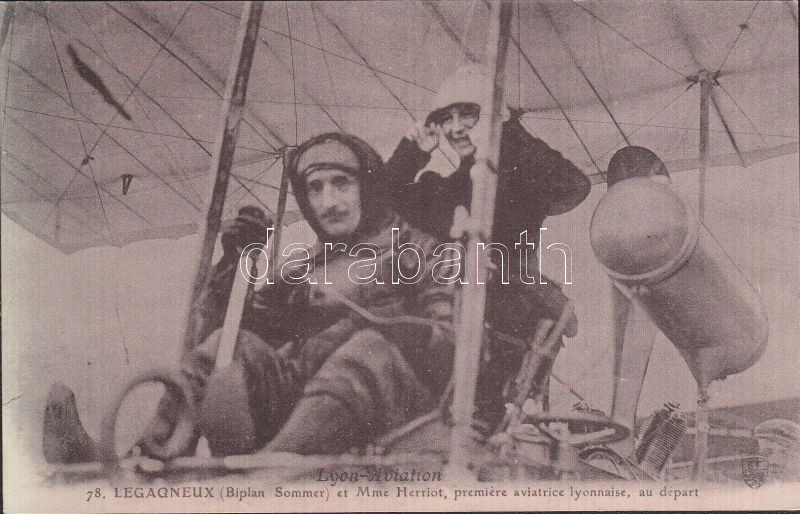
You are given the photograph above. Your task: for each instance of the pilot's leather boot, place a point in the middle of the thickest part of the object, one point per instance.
(319, 424)
(64, 439)
(225, 417)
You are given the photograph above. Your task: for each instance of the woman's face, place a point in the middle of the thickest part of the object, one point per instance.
(456, 124)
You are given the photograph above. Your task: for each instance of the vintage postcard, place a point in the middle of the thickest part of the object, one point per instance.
(395, 255)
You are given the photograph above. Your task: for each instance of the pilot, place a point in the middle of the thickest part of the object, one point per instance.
(320, 365)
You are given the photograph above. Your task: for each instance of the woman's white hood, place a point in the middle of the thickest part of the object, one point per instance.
(468, 84)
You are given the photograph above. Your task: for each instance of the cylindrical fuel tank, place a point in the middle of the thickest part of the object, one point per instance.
(648, 240)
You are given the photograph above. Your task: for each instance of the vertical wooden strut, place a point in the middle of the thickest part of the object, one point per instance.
(705, 93)
(243, 289)
(701, 435)
(224, 146)
(701, 413)
(469, 334)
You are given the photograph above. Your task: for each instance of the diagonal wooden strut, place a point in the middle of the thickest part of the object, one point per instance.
(224, 146)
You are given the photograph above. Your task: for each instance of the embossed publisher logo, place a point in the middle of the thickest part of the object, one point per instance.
(755, 470)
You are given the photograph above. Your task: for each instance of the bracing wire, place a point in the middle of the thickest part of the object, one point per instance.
(122, 335)
(8, 16)
(626, 38)
(314, 101)
(519, 58)
(377, 77)
(742, 28)
(254, 180)
(87, 158)
(194, 72)
(271, 102)
(294, 75)
(17, 214)
(68, 163)
(328, 52)
(651, 118)
(552, 96)
(138, 130)
(141, 77)
(152, 126)
(558, 104)
(650, 125)
(80, 222)
(582, 72)
(166, 112)
(325, 59)
(44, 180)
(129, 79)
(110, 137)
(437, 14)
(207, 84)
(727, 128)
(750, 121)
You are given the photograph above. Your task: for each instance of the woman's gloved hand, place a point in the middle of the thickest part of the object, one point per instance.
(425, 136)
(250, 226)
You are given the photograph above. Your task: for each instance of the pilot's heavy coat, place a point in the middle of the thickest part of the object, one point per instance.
(312, 374)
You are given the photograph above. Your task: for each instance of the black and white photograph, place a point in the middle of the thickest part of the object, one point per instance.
(419, 255)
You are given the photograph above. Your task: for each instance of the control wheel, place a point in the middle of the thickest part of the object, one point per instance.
(182, 432)
(583, 427)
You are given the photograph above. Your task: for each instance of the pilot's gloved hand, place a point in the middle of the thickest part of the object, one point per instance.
(250, 226)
